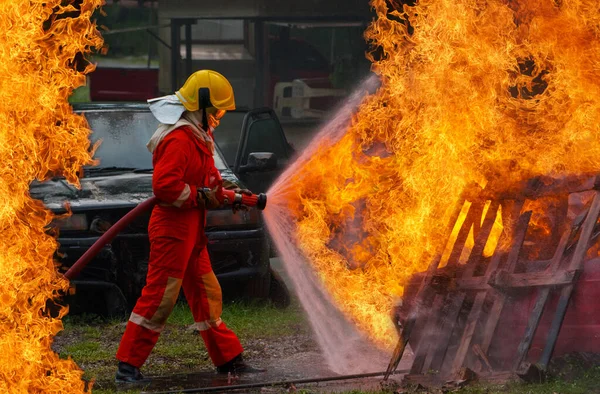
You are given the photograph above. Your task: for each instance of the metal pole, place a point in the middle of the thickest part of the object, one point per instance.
(332, 50)
(175, 43)
(222, 389)
(261, 63)
(151, 13)
(188, 48)
(157, 38)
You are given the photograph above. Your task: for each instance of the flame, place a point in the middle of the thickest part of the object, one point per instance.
(40, 137)
(489, 92)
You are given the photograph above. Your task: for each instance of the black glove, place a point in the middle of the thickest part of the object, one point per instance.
(207, 198)
(228, 185)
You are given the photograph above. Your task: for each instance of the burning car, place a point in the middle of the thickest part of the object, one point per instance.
(238, 243)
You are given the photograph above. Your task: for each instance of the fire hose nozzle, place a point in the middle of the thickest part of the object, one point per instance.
(262, 201)
(230, 197)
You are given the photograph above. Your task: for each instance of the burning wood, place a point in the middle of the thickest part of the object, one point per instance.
(465, 303)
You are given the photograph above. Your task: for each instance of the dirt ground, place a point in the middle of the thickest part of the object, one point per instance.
(277, 339)
(179, 361)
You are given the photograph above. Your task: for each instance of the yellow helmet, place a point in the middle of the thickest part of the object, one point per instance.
(205, 89)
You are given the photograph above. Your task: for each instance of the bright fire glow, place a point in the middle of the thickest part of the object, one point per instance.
(40, 137)
(491, 92)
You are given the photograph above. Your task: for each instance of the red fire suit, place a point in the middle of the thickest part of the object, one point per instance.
(178, 255)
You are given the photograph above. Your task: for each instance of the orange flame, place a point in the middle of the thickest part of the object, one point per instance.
(491, 92)
(39, 137)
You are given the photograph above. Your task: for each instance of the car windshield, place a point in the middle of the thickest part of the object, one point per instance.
(123, 136)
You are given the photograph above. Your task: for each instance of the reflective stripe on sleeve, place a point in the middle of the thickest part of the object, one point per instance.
(185, 194)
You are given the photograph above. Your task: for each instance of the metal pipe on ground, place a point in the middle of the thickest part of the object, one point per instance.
(246, 386)
(108, 236)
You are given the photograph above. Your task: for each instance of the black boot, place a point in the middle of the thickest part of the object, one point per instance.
(127, 373)
(238, 365)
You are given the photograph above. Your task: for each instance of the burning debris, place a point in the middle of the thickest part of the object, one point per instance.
(482, 317)
(40, 137)
(493, 93)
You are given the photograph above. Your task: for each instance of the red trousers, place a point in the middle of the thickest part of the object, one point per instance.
(175, 263)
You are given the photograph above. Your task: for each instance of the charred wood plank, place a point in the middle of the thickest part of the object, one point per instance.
(447, 325)
(419, 363)
(565, 294)
(532, 324)
(531, 373)
(477, 350)
(511, 262)
(544, 186)
(540, 303)
(444, 322)
(468, 332)
(471, 221)
(421, 297)
(481, 239)
(503, 280)
(519, 236)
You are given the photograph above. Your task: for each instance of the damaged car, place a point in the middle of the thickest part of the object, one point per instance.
(238, 245)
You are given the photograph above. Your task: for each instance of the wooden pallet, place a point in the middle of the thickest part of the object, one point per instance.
(458, 314)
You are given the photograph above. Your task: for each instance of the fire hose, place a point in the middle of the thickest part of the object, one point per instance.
(225, 197)
(286, 383)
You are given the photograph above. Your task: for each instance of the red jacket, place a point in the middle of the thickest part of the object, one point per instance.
(182, 164)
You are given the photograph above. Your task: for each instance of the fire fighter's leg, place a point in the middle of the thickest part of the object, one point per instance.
(168, 261)
(203, 293)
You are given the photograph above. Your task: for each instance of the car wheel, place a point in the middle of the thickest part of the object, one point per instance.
(259, 286)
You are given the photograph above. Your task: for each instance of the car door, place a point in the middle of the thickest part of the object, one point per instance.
(263, 151)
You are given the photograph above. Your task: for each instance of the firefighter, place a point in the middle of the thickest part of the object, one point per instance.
(182, 155)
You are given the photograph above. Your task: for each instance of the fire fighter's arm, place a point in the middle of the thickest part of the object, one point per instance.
(169, 169)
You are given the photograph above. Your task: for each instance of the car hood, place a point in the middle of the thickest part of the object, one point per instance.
(111, 191)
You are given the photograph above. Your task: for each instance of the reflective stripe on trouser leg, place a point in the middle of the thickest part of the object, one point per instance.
(142, 333)
(203, 293)
(207, 324)
(168, 259)
(159, 318)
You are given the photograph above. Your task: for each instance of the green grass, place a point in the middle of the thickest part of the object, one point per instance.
(587, 382)
(248, 319)
(87, 351)
(251, 320)
(92, 343)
